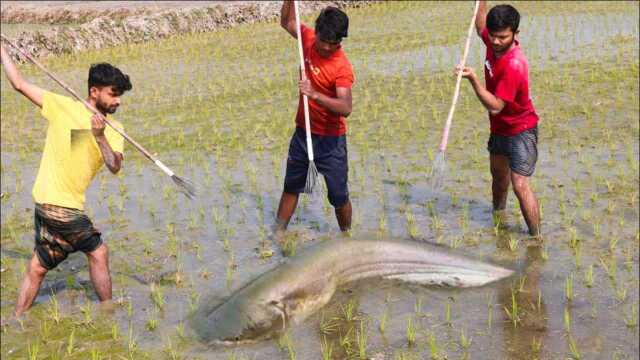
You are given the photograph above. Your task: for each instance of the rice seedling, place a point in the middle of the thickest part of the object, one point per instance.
(588, 276)
(433, 347)
(326, 348)
(567, 319)
(33, 350)
(513, 313)
(631, 317)
(465, 341)
(568, 288)
(70, 343)
(362, 341)
(573, 348)
(411, 332)
(157, 295)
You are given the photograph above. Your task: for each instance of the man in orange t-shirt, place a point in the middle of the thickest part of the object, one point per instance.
(329, 78)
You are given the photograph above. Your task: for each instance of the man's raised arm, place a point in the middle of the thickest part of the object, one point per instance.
(481, 17)
(288, 18)
(27, 89)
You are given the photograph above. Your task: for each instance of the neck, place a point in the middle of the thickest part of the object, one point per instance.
(500, 54)
(93, 104)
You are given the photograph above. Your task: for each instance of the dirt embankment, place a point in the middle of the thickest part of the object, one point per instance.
(109, 23)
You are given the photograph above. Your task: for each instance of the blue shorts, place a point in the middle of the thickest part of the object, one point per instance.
(330, 157)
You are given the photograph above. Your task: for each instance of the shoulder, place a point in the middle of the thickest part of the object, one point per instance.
(517, 62)
(307, 32)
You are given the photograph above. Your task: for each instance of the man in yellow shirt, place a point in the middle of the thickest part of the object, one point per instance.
(76, 146)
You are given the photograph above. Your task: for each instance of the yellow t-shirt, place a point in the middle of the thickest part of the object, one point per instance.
(71, 156)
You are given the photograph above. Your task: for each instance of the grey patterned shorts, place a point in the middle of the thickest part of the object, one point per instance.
(521, 149)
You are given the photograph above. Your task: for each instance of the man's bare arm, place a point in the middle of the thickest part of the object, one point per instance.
(288, 18)
(27, 89)
(492, 103)
(112, 159)
(341, 104)
(481, 17)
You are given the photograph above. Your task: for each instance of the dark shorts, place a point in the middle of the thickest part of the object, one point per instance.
(60, 231)
(330, 158)
(521, 149)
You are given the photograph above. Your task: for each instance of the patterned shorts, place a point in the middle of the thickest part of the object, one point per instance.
(60, 231)
(521, 149)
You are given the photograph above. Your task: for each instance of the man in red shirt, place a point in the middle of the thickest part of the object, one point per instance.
(514, 122)
(329, 78)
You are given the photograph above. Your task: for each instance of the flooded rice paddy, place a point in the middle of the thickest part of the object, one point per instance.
(218, 108)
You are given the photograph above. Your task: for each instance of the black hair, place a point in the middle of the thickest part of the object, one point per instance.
(332, 24)
(104, 74)
(501, 17)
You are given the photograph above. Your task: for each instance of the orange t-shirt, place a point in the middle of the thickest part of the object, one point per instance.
(325, 74)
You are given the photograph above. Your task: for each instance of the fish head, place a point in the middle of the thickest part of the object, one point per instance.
(240, 320)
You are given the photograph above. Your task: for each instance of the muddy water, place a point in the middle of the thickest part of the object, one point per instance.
(585, 176)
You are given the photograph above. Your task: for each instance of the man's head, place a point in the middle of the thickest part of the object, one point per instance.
(502, 23)
(106, 84)
(331, 26)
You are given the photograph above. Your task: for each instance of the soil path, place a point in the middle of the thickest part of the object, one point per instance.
(98, 24)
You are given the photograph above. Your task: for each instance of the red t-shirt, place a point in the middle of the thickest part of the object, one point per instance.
(508, 79)
(325, 74)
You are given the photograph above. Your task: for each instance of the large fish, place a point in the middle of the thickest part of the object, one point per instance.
(303, 284)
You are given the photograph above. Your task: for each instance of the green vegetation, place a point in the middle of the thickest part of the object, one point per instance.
(218, 108)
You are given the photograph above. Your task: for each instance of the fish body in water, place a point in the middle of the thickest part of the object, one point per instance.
(301, 285)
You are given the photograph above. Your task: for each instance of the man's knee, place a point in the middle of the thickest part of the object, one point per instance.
(36, 269)
(520, 184)
(99, 255)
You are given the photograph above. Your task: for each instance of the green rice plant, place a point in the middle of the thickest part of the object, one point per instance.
(577, 255)
(447, 313)
(383, 320)
(382, 223)
(613, 243)
(568, 287)
(131, 341)
(362, 341)
(33, 349)
(115, 332)
(180, 330)
(54, 309)
(621, 292)
(70, 343)
(170, 350)
(465, 341)
(129, 309)
(326, 348)
(536, 345)
(631, 319)
(567, 319)
(95, 354)
(513, 243)
(573, 238)
(611, 267)
(87, 313)
(513, 313)
(157, 295)
(573, 348)
(349, 311)
(433, 347)
(588, 276)
(411, 332)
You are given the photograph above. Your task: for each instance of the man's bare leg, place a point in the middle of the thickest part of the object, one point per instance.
(99, 272)
(343, 215)
(500, 172)
(286, 208)
(528, 202)
(30, 285)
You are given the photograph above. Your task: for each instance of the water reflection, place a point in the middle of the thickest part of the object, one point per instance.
(525, 314)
